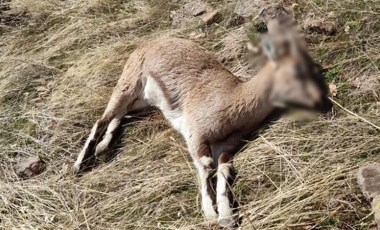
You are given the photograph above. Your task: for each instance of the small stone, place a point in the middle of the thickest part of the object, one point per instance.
(236, 20)
(322, 27)
(198, 10)
(328, 27)
(247, 8)
(369, 183)
(333, 89)
(372, 227)
(347, 29)
(172, 14)
(212, 17)
(356, 82)
(369, 180)
(29, 167)
(188, 12)
(275, 11)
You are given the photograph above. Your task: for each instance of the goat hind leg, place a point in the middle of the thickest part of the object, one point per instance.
(104, 129)
(114, 125)
(86, 156)
(112, 128)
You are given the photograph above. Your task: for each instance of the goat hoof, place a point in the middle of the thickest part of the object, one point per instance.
(227, 223)
(77, 170)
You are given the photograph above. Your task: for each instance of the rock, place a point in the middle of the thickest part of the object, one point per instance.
(196, 8)
(266, 10)
(328, 27)
(369, 182)
(333, 89)
(236, 20)
(188, 12)
(247, 8)
(29, 166)
(321, 27)
(212, 17)
(275, 11)
(191, 12)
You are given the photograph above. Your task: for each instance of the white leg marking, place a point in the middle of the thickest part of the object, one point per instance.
(103, 145)
(79, 160)
(224, 209)
(203, 167)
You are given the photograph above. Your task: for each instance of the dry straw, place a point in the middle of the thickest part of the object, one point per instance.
(58, 65)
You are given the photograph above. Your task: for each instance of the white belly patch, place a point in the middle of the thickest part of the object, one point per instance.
(154, 96)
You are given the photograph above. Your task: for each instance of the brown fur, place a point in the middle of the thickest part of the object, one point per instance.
(211, 107)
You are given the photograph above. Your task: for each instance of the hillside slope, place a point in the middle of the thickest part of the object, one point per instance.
(59, 61)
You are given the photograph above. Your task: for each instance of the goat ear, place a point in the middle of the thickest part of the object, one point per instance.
(269, 49)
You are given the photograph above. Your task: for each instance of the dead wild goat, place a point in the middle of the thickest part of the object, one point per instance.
(207, 104)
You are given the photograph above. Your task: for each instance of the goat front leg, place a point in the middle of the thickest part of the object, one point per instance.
(203, 161)
(225, 178)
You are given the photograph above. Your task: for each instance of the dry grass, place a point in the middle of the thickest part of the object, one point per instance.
(58, 66)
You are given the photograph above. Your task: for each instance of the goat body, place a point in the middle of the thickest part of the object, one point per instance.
(212, 109)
